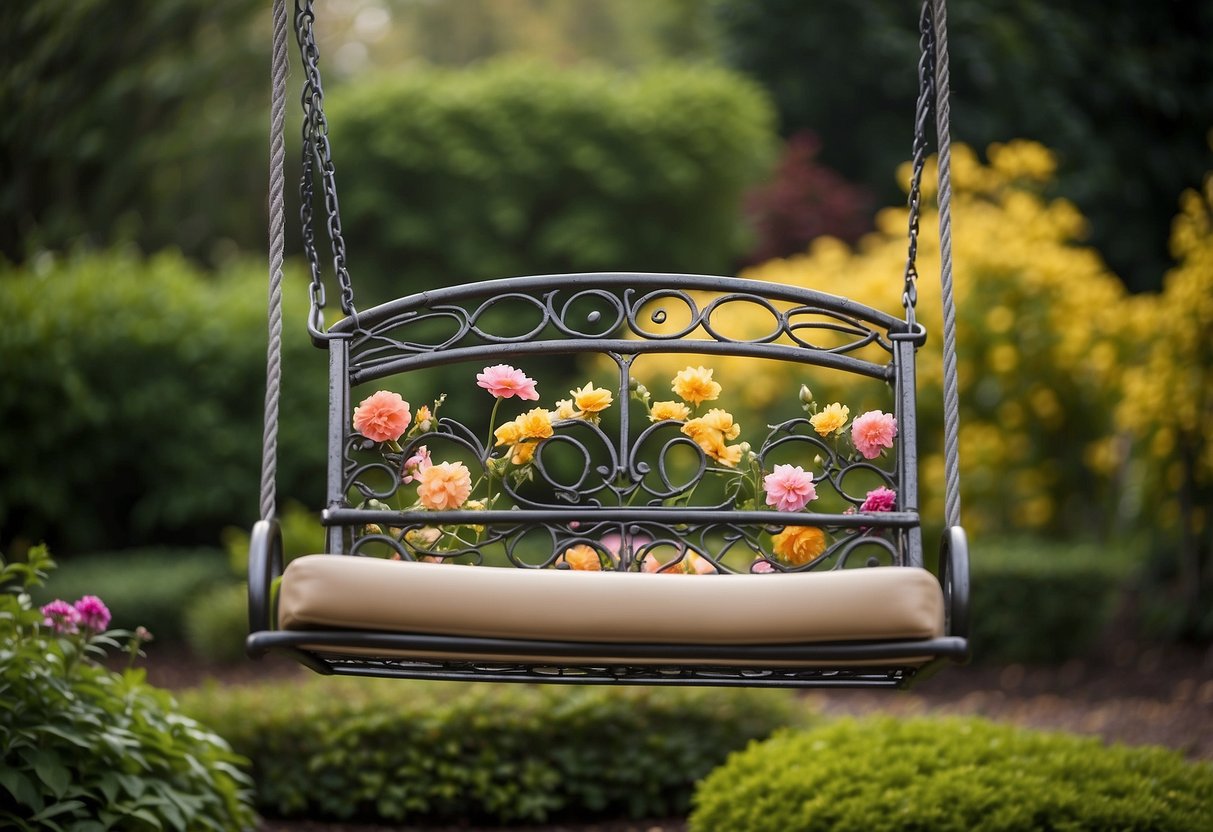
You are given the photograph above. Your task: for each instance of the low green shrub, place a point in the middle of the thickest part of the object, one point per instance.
(1038, 601)
(143, 587)
(216, 623)
(426, 752)
(950, 775)
(83, 748)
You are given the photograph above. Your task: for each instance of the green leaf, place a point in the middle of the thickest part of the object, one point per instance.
(22, 788)
(58, 809)
(50, 771)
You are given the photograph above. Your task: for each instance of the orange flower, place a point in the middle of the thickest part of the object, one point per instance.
(677, 411)
(582, 557)
(382, 417)
(695, 385)
(709, 433)
(446, 485)
(797, 545)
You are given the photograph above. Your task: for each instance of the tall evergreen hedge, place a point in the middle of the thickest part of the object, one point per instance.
(524, 168)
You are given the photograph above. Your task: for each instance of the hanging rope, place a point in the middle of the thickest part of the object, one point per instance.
(277, 234)
(951, 399)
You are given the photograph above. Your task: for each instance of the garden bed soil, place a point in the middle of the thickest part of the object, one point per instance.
(1126, 691)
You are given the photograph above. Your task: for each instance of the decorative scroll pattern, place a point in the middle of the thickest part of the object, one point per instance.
(585, 476)
(800, 325)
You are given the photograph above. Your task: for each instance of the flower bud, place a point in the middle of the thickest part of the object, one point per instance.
(806, 395)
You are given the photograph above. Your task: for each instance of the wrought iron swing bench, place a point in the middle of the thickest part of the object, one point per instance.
(618, 543)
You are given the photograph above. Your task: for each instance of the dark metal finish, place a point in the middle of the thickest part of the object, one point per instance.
(264, 565)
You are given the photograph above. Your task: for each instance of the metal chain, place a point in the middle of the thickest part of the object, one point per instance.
(317, 154)
(922, 113)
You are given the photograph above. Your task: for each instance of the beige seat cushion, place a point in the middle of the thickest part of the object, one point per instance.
(356, 593)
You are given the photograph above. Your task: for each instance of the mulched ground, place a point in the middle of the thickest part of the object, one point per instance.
(1127, 692)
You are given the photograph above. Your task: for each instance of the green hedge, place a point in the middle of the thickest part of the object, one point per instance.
(1039, 601)
(144, 587)
(427, 752)
(132, 389)
(943, 775)
(525, 168)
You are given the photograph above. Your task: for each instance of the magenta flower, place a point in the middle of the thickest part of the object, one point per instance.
(789, 488)
(872, 432)
(415, 464)
(61, 617)
(503, 382)
(94, 615)
(880, 499)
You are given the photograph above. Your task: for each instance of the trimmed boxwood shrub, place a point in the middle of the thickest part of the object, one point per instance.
(950, 775)
(143, 587)
(86, 749)
(514, 168)
(131, 390)
(394, 750)
(1039, 601)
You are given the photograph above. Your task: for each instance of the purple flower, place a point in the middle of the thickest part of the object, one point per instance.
(92, 614)
(880, 499)
(60, 616)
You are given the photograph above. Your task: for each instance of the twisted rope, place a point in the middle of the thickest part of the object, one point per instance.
(277, 234)
(951, 399)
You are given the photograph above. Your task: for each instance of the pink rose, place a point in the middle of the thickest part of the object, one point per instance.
(382, 417)
(872, 432)
(789, 488)
(415, 464)
(880, 499)
(503, 382)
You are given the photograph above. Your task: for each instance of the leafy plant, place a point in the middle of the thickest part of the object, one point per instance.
(85, 748)
(425, 752)
(950, 775)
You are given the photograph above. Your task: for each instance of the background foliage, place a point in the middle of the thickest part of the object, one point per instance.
(510, 169)
(137, 385)
(1129, 131)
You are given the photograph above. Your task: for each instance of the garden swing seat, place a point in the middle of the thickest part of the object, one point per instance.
(615, 538)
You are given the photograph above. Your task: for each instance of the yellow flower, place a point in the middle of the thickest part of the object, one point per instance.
(695, 385)
(722, 421)
(535, 424)
(508, 434)
(797, 545)
(565, 409)
(582, 557)
(711, 440)
(522, 453)
(832, 419)
(677, 411)
(591, 399)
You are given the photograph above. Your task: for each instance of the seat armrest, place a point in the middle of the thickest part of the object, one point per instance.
(954, 577)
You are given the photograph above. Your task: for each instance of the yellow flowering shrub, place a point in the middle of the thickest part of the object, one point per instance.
(1166, 402)
(1040, 320)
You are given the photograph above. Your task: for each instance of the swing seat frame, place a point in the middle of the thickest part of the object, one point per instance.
(834, 621)
(857, 608)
